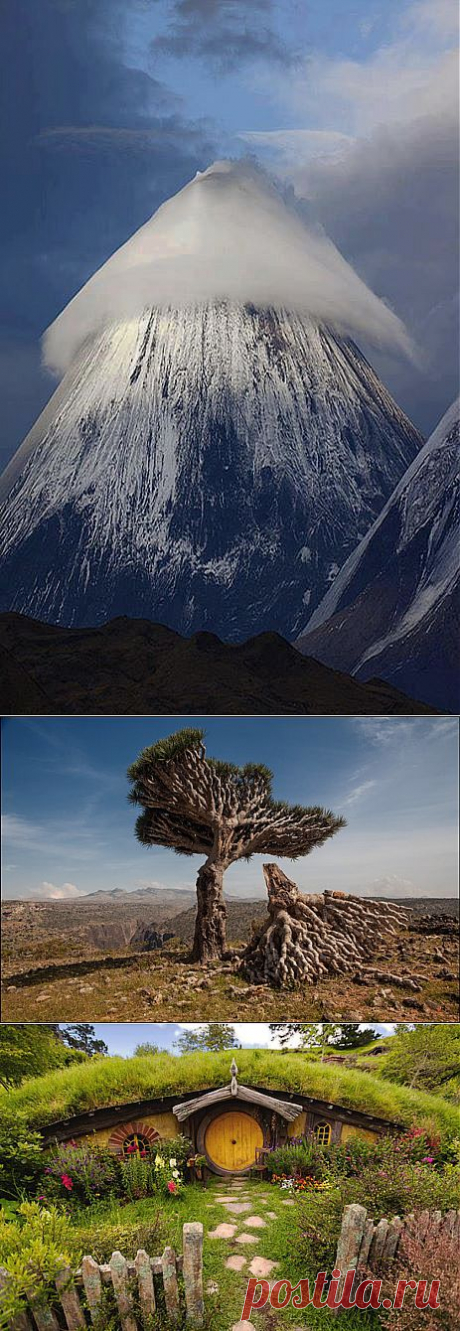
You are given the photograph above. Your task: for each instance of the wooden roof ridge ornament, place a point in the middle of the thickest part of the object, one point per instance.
(233, 1091)
(317, 936)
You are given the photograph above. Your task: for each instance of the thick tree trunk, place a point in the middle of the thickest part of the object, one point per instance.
(210, 929)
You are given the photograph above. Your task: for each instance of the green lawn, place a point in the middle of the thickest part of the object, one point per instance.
(105, 1226)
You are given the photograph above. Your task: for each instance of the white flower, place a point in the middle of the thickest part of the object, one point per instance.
(173, 1163)
(176, 1173)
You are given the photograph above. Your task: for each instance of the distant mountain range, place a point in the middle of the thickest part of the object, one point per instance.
(144, 895)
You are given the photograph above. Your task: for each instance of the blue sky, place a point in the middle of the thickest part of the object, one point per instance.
(68, 828)
(111, 106)
(122, 1038)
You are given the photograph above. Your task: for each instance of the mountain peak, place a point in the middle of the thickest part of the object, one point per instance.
(229, 234)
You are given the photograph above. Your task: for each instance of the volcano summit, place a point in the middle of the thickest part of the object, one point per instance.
(218, 444)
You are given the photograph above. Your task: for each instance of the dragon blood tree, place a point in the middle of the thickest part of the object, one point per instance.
(201, 806)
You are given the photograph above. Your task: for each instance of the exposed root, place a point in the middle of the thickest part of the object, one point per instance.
(312, 938)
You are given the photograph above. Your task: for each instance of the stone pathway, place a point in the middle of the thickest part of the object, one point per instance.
(235, 1198)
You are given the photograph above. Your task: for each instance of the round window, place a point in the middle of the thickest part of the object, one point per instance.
(136, 1144)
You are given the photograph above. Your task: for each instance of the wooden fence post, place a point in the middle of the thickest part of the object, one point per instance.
(92, 1285)
(193, 1272)
(350, 1240)
(145, 1283)
(171, 1287)
(22, 1320)
(392, 1240)
(70, 1301)
(119, 1270)
(378, 1244)
(45, 1318)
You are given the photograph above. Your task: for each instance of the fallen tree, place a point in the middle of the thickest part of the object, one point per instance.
(314, 937)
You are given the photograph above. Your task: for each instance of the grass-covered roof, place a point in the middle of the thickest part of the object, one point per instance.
(101, 1082)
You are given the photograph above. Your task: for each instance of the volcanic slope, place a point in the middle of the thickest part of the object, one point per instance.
(393, 610)
(206, 463)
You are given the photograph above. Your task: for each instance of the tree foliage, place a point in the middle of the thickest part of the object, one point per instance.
(191, 803)
(215, 1036)
(146, 1048)
(427, 1057)
(27, 1051)
(318, 1035)
(82, 1036)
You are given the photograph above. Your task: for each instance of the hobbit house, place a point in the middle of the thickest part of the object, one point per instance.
(230, 1126)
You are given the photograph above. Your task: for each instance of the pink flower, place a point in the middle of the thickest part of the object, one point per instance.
(427, 1160)
(66, 1182)
(172, 1187)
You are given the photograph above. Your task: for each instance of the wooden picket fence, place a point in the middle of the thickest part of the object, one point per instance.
(68, 1311)
(364, 1246)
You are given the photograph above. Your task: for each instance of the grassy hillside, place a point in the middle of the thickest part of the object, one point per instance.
(111, 1081)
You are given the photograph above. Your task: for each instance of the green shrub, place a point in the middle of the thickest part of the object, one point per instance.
(297, 1159)
(21, 1157)
(318, 1223)
(34, 1247)
(138, 1175)
(387, 1178)
(116, 1232)
(178, 1148)
(79, 1175)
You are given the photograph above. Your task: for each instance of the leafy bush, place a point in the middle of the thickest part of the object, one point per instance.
(388, 1178)
(138, 1175)
(21, 1157)
(396, 1186)
(80, 1174)
(159, 1168)
(33, 1249)
(114, 1081)
(175, 1148)
(298, 1158)
(318, 1223)
(117, 1232)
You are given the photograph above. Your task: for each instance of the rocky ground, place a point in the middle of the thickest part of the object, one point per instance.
(161, 985)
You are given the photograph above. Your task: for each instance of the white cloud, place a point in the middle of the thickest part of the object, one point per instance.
(390, 885)
(387, 192)
(298, 145)
(357, 793)
(49, 892)
(229, 234)
(76, 837)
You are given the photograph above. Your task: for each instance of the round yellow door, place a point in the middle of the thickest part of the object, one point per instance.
(231, 1140)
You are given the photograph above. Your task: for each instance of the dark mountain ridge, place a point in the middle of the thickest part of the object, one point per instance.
(133, 666)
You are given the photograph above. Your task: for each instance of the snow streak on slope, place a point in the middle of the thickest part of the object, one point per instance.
(228, 235)
(393, 609)
(205, 467)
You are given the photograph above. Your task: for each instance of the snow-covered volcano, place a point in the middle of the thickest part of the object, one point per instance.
(218, 444)
(393, 610)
